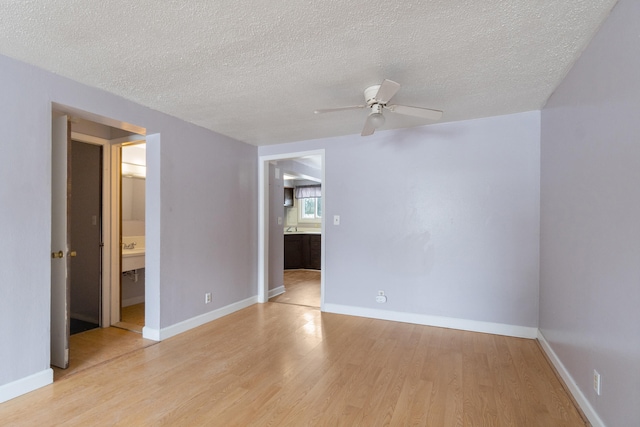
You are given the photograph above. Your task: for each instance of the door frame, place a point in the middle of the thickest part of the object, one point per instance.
(263, 220)
(111, 262)
(111, 222)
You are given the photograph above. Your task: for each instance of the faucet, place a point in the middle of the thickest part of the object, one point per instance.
(131, 245)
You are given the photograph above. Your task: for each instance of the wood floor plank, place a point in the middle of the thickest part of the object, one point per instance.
(280, 364)
(302, 287)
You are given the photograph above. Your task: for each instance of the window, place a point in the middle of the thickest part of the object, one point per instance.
(309, 201)
(310, 209)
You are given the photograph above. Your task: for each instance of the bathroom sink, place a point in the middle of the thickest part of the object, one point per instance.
(132, 259)
(132, 252)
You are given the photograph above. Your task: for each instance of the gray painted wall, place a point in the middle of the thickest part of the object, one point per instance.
(447, 223)
(276, 231)
(590, 219)
(203, 201)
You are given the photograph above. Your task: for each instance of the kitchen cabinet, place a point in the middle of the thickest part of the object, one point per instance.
(302, 251)
(288, 196)
(293, 251)
(315, 243)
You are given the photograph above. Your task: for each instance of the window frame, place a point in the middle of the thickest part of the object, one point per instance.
(303, 220)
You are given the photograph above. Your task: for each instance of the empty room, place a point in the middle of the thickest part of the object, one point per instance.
(341, 213)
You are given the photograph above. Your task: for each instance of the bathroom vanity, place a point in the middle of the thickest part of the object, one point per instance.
(133, 253)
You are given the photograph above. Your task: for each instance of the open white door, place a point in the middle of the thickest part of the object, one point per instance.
(60, 290)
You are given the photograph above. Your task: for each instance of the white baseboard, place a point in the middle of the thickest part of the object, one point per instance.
(133, 301)
(178, 328)
(580, 398)
(276, 291)
(25, 385)
(439, 321)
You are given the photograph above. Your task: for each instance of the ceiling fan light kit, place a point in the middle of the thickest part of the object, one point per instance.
(376, 116)
(376, 98)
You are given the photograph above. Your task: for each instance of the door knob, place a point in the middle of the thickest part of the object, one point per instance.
(72, 253)
(58, 254)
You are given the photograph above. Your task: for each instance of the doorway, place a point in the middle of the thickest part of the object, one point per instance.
(95, 223)
(132, 215)
(85, 229)
(298, 284)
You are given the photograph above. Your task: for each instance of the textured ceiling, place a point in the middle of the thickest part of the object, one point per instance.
(256, 70)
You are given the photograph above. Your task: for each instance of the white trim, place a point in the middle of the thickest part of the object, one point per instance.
(194, 322)
(263, 231)
(133, 301)
(579, 397)
(276, 291)
(26, 384)
(263, 220)
(439, 321)
(98, 118)
(111, 200)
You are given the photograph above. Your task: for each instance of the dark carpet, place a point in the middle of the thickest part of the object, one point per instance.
(78, 326)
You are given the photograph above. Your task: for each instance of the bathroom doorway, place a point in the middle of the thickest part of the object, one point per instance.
(96, 223)
(132, 215)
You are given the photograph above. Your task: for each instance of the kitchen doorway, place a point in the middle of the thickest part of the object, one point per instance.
(301, 283)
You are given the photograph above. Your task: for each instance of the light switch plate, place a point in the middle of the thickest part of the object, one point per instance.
(336, 220)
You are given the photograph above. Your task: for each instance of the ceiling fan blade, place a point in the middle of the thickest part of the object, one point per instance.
(330, 110)
(388, 88)
(425, 113)
(369, 127)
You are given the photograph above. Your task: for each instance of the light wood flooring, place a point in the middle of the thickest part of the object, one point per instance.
(96, 346)
(302, 287)
(290, 365)
(132, 318)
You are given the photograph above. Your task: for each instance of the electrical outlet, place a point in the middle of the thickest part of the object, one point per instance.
(381, 298)
(207, 298)
(597, 382)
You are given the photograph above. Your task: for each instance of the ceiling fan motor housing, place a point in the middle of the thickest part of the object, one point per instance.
(370, 94)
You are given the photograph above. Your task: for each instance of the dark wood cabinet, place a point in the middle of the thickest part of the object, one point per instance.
(302, 251)
(288, 196)
(293, 249)
(314, 258)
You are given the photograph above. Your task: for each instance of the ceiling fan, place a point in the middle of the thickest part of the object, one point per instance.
(376, 98)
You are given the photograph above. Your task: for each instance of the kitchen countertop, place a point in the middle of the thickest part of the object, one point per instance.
(302, 232)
